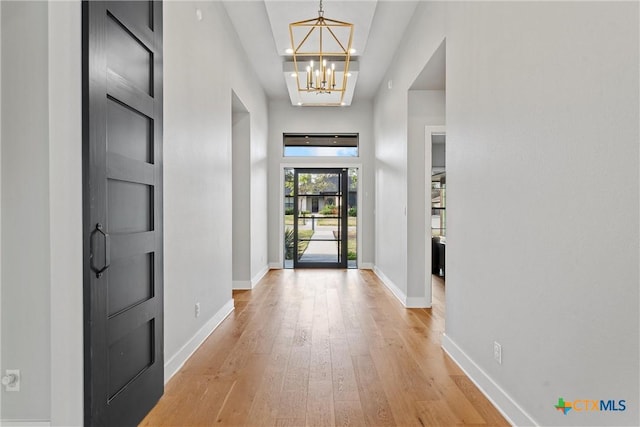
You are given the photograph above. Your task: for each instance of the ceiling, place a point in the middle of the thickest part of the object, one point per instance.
(263, 29)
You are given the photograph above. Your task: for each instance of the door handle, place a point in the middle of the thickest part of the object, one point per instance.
(107, 251)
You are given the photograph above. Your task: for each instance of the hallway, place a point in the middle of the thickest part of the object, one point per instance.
(324, 347)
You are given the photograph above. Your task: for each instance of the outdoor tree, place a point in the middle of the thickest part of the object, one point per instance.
(310, 183)
(353, 179)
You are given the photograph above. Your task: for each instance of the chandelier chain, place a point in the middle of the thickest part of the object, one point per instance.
(320, 11)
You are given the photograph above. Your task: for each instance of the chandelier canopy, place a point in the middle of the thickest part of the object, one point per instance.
(321, 49)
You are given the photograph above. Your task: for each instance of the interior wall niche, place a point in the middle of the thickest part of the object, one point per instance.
(241, 194)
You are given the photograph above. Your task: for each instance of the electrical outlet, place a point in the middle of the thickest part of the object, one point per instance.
(197, 311)
(497, 352)
(11, 380)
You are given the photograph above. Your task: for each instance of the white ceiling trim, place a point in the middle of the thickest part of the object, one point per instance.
(310, 99)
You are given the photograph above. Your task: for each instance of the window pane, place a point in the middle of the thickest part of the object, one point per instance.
(320, 151)
(320, 145)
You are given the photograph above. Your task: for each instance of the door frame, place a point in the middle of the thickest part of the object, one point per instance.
(296, 163)
(429, 132)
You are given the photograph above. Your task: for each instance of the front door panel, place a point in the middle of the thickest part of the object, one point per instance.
(122, 150)
(320, 218)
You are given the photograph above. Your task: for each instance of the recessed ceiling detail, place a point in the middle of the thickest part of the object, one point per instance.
(358, 13)
(263, 30)
(318, 99)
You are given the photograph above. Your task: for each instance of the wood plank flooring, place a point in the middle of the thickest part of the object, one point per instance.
(324, 348)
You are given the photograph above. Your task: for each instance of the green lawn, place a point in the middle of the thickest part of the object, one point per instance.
(352, 249)
(352, 246)
(352, 221)
(288, 220)
(302, 244)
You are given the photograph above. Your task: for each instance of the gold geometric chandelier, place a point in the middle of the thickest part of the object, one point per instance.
(321, 49)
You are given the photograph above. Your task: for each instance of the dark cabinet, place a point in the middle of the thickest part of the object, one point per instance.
(438, 248)
(438, 223)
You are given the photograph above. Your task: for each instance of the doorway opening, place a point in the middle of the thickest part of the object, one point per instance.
(320, 217)
(437, 205)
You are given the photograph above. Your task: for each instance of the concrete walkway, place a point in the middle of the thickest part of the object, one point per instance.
(320, 250)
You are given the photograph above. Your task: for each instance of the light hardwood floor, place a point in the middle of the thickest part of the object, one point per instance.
(324, 348)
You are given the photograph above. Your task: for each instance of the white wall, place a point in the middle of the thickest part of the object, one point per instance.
(400, 157)
(203, 65)
(1, 365)
(41, 217)
(285, 118)
(25, 202)
(426, 108)
(540, 126)
(543, 198)
(41, 192)
(65, 212)
(52, 120)
(259, 186)
(438, 155)
(241, 139)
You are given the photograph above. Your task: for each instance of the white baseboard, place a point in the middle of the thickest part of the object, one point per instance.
(24, 423)
(401, 296)
(366, 266)
(256, 279)
(247, 285)
(241, 285)
(177, 360)
(417, 302)
(408, 302)
(275, 266)
(514, 414)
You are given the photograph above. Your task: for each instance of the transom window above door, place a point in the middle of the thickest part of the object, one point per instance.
(320, 145)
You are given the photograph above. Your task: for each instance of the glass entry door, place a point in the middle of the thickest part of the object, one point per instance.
(320, 218)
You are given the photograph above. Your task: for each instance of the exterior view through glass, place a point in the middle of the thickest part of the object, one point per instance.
(320, 220)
